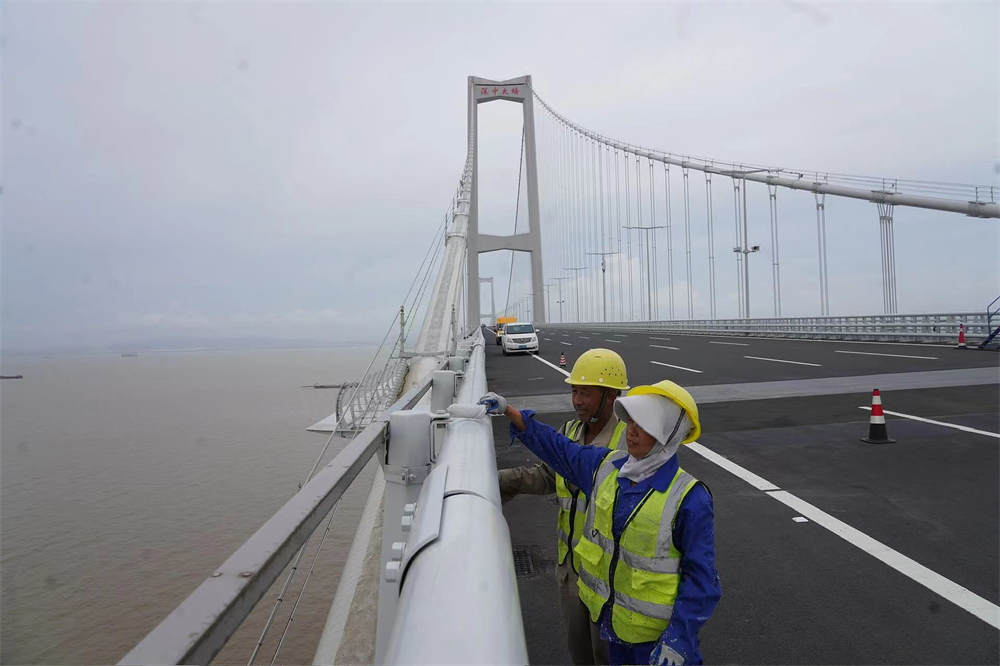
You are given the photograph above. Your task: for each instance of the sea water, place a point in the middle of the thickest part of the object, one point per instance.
(125, 480)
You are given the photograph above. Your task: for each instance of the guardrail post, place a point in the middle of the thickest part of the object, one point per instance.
(442, 390)
(408, 462)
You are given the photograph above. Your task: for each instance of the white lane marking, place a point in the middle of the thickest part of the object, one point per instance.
(800, 519)
(583, 337)
(737, 344)
(568, 344)
(679, 367)
(841, 351)
(652, 338)
(549, 339)
(665, 347)
(757, 482)
(940, 423)
(615, 341)
(962, 597)
(781, 360)
(551, 365)
(953, 592)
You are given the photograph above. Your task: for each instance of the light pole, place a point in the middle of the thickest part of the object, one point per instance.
(746, 249)
(548, 305)
(577, 282)
(604, 281)
(561, 299)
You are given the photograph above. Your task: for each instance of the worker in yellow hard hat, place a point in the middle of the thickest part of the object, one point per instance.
(597, 379)
(647, 550)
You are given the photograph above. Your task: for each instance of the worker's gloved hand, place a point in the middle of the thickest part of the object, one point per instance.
(664, 655)
(495, 403)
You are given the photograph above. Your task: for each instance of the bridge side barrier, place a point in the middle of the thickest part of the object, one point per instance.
(449, 589)
(195, 631)
(939, 328)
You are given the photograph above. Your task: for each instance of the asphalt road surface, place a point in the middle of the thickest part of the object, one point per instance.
(830, 550)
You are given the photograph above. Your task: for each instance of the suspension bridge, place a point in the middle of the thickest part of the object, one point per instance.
(829, 549)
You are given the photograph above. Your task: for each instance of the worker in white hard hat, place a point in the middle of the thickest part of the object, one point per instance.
(597, 379)
(647, 551)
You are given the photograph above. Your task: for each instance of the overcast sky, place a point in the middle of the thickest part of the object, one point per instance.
(268, 169)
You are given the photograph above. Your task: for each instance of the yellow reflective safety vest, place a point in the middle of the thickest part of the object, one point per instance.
(637, 574)
(572, 502)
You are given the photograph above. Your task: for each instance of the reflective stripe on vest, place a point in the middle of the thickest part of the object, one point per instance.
(572, 514)
(641, 569)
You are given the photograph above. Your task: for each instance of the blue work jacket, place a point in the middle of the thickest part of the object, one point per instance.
(699, 590)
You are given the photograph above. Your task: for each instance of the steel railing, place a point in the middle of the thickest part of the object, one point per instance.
(934, 328)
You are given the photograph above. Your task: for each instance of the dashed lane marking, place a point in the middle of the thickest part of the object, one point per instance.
(652, 338)
(842, 351)
(940, 423)
(551, 365)
(568, 344)
(549, 339)
(615, 341)
(781, 360)
(735, 344)
(679, 367)
(962, 597)
(665, 347)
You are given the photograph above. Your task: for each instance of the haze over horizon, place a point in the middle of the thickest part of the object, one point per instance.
(210, 171)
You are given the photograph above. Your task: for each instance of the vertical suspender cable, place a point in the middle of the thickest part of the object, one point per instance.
(618, 228)
(643, 269)
(711, 244)
(670, 242)
(739, 245)
(655, 315)
(687, 241)
(821, 249)
(600, 178)
(772, 191)
(628, 239)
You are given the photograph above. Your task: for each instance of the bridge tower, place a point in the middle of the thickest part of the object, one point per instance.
(512, 90)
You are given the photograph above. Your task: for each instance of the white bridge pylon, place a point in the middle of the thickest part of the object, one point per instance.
(516, 90)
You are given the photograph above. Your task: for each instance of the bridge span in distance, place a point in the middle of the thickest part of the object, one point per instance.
(830, 550)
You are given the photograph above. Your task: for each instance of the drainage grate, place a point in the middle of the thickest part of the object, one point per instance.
(523, 566)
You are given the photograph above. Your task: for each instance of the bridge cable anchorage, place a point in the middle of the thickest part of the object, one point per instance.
(772, 193)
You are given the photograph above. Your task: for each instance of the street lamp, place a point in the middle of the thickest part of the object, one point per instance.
(561, 299)
(604, 281)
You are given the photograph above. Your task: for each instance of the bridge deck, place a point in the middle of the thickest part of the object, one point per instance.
(796, 592)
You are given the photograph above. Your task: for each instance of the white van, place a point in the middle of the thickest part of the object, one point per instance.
(519, 336)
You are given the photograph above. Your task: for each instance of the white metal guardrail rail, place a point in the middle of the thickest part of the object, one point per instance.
(941, 328)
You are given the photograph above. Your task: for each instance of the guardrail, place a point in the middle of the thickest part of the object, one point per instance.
(935, 328)
(197, 629)
(448, 589)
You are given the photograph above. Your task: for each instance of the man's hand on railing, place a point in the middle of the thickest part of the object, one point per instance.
(495, 403)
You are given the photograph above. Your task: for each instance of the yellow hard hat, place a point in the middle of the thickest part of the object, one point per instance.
(679, 395)
(599, 367)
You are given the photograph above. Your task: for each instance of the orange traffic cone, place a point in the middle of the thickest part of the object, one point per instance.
(877, 433)
(961, 337)
(562, 360)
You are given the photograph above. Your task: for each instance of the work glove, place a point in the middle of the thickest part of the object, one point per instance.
(495, 403)
(664, 655)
